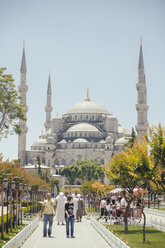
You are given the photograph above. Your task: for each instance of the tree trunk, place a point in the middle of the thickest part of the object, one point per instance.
(126, 217)
(144, 226)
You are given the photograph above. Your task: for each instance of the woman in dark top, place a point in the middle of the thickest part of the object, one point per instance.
(69, 216)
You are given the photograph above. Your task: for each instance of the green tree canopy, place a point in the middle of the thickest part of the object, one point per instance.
(130, 169)
(132, 139)
(86, 170)
(156, 141)
(71, 172)
(11, 111)
(90, 170)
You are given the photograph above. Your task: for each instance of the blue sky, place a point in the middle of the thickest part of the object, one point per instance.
(84, 43)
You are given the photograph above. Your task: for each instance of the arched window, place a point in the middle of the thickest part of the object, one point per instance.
(56, 162)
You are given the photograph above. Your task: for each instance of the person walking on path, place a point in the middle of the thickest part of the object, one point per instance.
(69, 216)
(80, 208)
(60, 208)
(103, 206)
(75, 202)
(49, 210)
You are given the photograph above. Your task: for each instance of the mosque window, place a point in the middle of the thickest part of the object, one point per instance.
(76, 134)
(80, 134)
(92, 118)
(56, 162)
(48, 148)
(75, 117)
(86, 117)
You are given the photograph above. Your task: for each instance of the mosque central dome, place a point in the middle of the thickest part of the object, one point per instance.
(87, 107)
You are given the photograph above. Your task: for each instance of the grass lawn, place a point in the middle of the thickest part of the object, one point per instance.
(8, 236)
(162, 209)
(134, 237)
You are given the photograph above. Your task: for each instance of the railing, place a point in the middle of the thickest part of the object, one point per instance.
(156, 223)
(155, 218)
(154, 212)
(20, 238)
(109, 237)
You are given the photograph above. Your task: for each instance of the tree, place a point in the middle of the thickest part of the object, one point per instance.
(90, 170)
(130, 169)
(75, 191)
(132, 139)
(11, 111)
(71, 172)
(156, 141)
(39, 165)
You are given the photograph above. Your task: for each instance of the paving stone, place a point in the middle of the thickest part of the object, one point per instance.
(85, 237)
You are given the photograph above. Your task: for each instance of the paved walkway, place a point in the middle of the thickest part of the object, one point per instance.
(85, 237)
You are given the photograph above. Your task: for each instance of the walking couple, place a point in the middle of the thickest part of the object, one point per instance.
(49, 211)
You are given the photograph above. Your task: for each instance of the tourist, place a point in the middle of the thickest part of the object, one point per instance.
(74, 200)
(49, 210)
(69, 216)
(80, 209)
(103, 205)
(60, 208)
(109, 209)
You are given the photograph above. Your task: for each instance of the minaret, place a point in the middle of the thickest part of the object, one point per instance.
(141, 106)
(48, 107)
(23, 90)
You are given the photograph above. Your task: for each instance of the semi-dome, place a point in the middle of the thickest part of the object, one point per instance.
(80, 140)
(40, 142)
(121, 141)
(82, 127)
(87, 107)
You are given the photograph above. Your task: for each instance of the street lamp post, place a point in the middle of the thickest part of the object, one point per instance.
(6, 187)
(3, 184)
(13, 188)
(29, 191)
(21, 190)
(26, 191)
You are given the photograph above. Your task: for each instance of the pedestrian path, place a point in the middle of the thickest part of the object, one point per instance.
(85, 237)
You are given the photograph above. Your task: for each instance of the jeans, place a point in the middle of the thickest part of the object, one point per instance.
(48, 218)
(71, 220)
